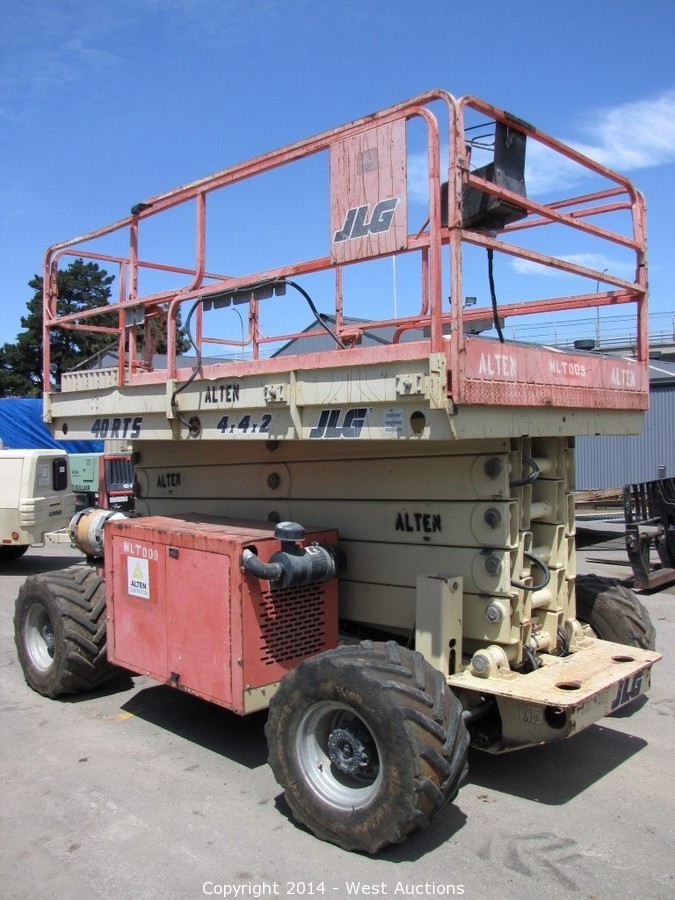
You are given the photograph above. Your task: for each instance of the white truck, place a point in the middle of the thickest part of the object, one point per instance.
(35, 498)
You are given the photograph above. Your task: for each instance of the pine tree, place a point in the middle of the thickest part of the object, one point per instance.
(81, 286)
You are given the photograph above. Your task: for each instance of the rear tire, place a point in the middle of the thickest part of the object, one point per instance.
(60, 632)
(368, 743)
(614, 612)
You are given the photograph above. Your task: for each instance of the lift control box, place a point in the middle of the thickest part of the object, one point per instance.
(182, 610)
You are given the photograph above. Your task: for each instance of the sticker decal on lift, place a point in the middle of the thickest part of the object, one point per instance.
(568, 371)
(138, 577)
(333, 424)
(117, 429)
(629, 689)
(357, 225)
(393, 422)
(423, 523)
(622, 378)
(221, 393)
(497, 365)
(169, 480)
(244, 425)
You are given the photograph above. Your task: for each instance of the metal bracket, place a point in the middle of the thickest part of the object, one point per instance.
(170, 387)
(438, 628)
(408, 385)
(438, 381)
(275, 393)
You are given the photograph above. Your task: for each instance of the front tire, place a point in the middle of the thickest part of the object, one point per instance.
(60, 632)
(368, 743)
(614, 612)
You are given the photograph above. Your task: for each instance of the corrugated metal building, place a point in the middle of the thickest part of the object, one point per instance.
(611, 462)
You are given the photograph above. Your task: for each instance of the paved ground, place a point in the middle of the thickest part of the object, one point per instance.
(141, 792)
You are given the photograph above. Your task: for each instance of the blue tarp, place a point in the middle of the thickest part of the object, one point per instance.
(22, 428)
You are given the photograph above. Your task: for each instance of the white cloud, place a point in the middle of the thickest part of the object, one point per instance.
(627, 137)
(635, 135)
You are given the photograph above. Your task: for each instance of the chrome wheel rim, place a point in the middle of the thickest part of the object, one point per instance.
(338, 756)
(39, 635)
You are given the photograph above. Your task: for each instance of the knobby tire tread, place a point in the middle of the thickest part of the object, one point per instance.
(614, 611)
(424, 709)
(77, 597)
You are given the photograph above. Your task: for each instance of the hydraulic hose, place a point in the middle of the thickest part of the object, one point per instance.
(543, 568)
(528, 479)
(259, 569)
(493, 296)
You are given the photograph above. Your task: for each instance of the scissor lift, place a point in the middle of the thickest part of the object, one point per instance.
(436, 446)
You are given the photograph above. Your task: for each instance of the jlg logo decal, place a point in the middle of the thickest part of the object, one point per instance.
(356, 222)
(628, 690)
(330, 426)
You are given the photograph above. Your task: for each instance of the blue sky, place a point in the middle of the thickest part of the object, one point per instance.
(105, 102)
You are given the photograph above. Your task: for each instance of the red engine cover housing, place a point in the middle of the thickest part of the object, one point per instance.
(182, 610)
